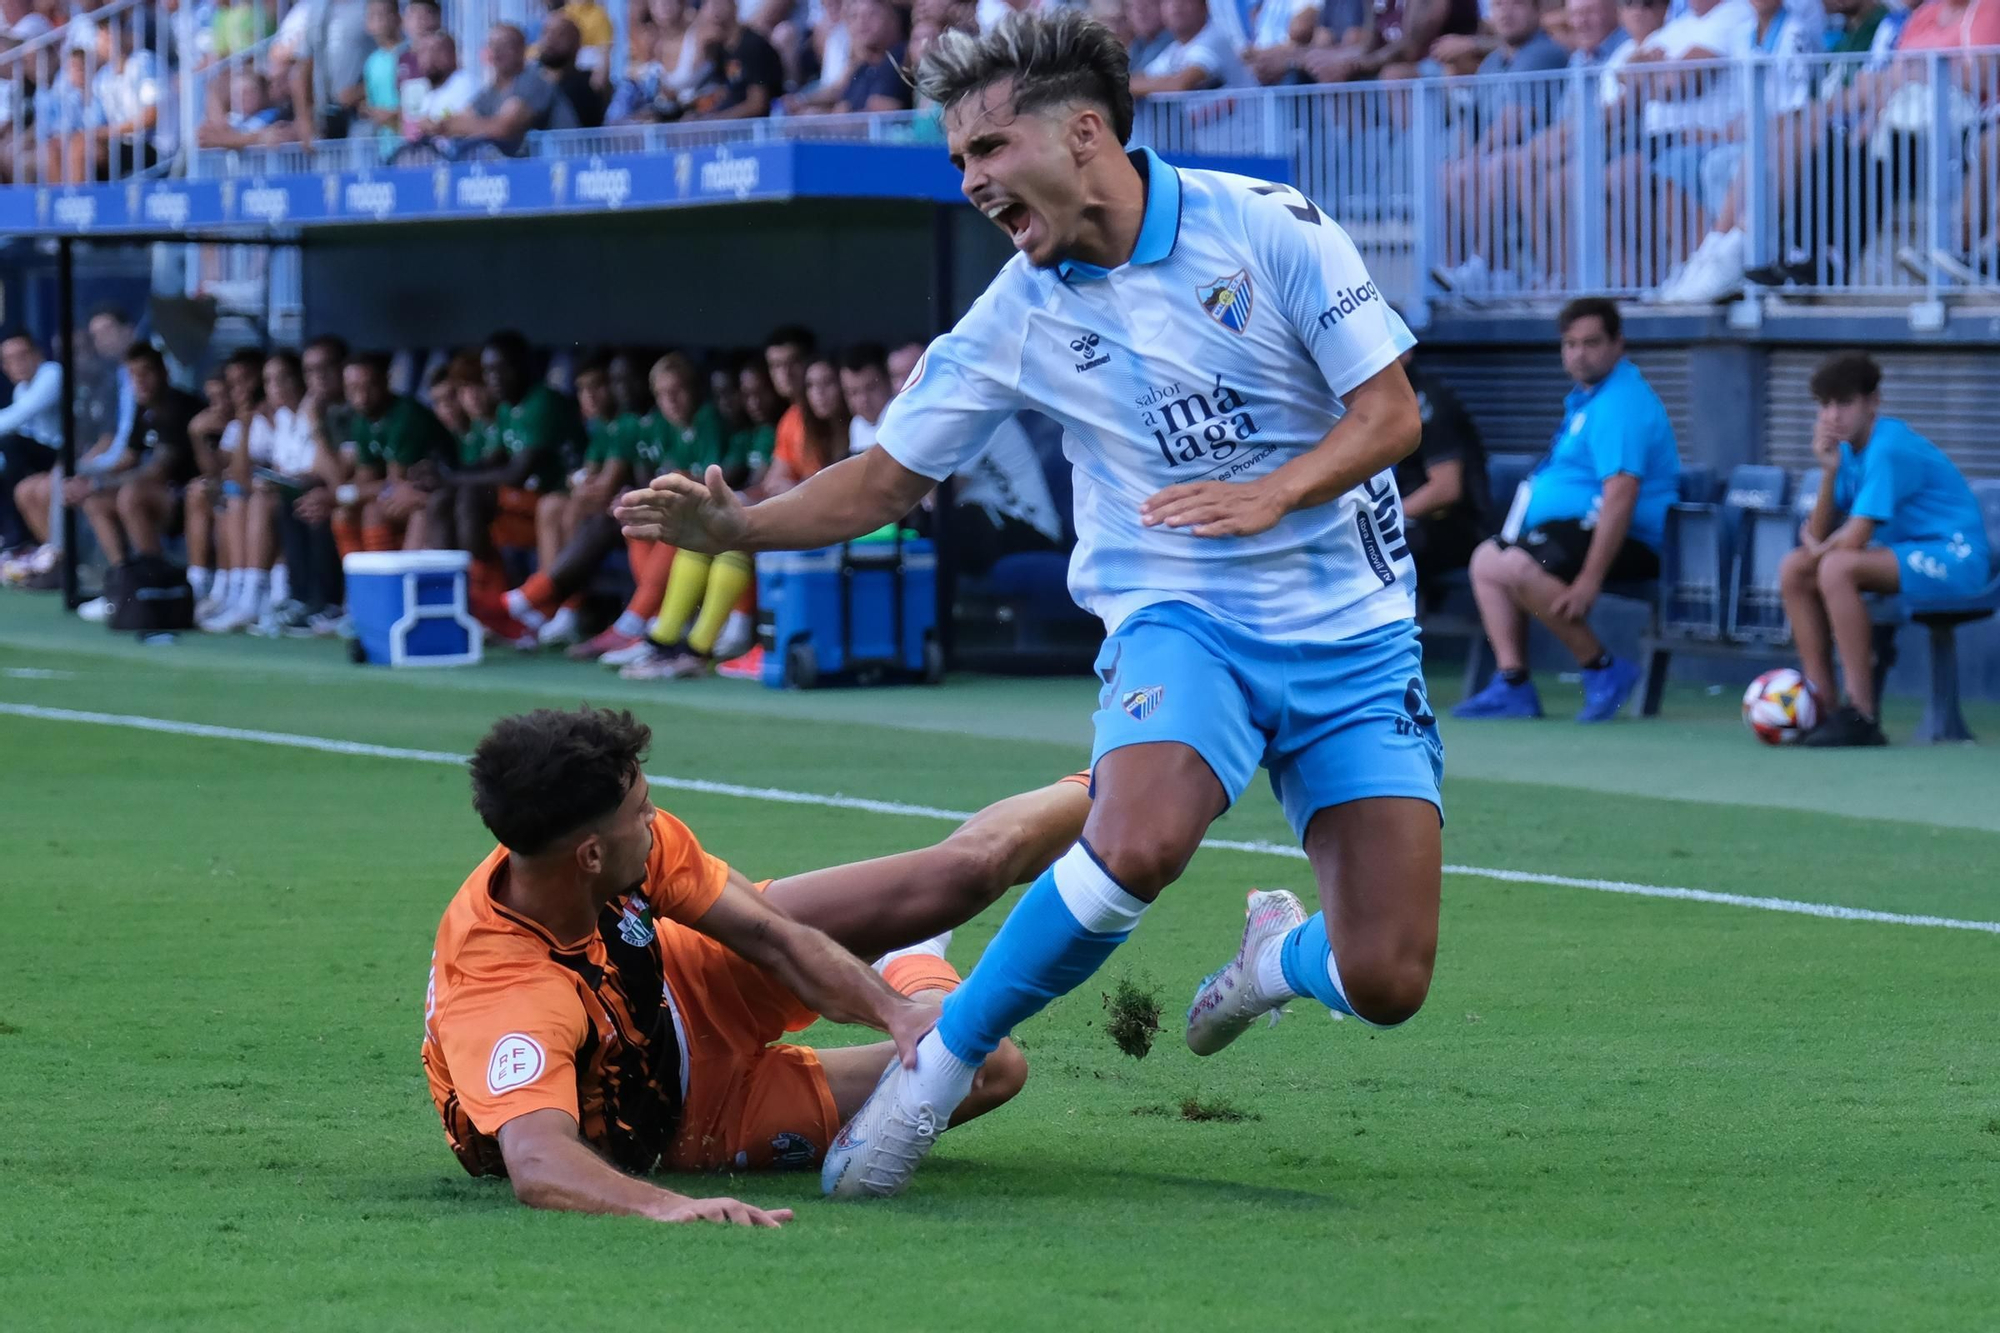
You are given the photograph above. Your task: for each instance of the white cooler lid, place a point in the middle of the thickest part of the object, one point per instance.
(407, 562)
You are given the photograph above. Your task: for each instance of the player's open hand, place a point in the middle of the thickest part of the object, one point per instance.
(729, 1212)
(1214, 508)
(704, 515)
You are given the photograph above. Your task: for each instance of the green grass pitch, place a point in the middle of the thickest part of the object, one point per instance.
(1615, 1112)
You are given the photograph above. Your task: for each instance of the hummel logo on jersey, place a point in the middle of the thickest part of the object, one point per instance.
(1086, 353)
(1227, 300)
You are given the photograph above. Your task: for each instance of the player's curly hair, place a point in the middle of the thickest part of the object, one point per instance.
(1054, 58)
(539, 776)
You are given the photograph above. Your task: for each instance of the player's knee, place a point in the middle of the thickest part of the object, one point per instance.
(130, 501)
(1837, 572)
(1387, 986)
(1799, 570)
(1139, 856)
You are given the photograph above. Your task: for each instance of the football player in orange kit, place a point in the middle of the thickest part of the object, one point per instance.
(605, 996)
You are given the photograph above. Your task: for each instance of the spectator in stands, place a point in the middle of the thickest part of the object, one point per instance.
(422, 20)
(1595, 34)
(595, 37)
(1394, 38)
(812, 434)
(1199, 56)
(31, 429)
(381, 103)
(1912, 528)
(1443, 484)
(902, 362)
(442, 90)
(130, 509)
(865, 386)
(786, 352)
(323, 63)
(1682, 118)
(557, 56)
(241, 113)
(1595, 513)
(666, 65)
(876, 81)
(1783, 41)
(517, 103)
(1281, 35)
(815, 50)
(744, 77)
(1492, 172)
(126, 94)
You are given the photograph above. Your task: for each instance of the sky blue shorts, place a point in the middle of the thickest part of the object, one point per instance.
(1333, 722)
(1940, 571)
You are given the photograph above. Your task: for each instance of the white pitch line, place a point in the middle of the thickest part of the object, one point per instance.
(362, 749)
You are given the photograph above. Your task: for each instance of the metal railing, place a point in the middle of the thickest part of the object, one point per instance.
(1820, 174)
(98, 98)
(1833, 173)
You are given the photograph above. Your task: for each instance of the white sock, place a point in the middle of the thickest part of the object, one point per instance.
(281, 584)
(200, 577)
(256, 590)
(940, 1078)
(563, 622)
(1095, 899)
(522, 610)
(232, 587)
(1269, 977)
(631, 624)
(934, 946)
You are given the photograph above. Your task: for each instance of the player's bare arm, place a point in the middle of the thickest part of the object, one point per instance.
(855, 496)
(825, 976)
(551, 1167)
(1380, 428)
(1614, 520)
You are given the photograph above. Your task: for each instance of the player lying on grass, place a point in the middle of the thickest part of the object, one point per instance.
(605, 995)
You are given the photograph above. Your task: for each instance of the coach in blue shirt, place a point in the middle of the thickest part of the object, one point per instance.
(1595, 511)
(1913, 527)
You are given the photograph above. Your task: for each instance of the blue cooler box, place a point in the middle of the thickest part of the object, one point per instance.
(866, 610)
(408, 608)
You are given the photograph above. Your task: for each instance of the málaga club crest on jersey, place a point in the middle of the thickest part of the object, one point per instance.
(1227, 300)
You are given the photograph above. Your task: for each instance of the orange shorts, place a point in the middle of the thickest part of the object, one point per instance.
(751, 1105)
(514, 516)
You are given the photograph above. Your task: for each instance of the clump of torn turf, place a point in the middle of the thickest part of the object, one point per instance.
(1135, 1017)
(1199, 1111)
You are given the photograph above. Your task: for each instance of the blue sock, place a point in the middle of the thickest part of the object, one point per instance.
(1307, 958)
(1062, 931)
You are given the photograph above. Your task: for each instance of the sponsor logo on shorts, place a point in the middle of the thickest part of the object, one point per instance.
(517, 1061)
(1143, 702)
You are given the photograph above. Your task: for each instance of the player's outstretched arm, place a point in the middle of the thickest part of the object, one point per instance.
(552, 1167)
(825, 976)
(853, 497)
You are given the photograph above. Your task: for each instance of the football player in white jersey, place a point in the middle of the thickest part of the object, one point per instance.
(1227, 378)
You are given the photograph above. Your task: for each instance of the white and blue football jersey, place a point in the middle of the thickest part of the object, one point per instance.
(1220, 351)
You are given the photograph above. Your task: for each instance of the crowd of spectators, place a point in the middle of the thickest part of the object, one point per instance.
(101, 101)
(286, 461)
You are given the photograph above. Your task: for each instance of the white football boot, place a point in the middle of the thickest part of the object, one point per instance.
(1229, 1001)
(877, 1152)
